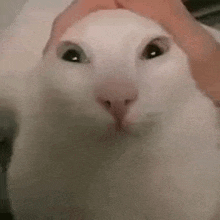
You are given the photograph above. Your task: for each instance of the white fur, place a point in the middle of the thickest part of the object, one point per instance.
(66, 158)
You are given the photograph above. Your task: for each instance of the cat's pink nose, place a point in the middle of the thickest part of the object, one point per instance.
(116, 97)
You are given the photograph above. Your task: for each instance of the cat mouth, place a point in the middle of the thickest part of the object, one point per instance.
(118, 130)
(131, 127)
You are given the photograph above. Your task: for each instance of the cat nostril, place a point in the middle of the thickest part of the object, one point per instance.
(107, 104)
(127, 101)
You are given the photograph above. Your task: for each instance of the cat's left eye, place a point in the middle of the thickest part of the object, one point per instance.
(155, 48)
(153, 51)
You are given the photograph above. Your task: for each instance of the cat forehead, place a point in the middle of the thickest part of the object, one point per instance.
(113, 26)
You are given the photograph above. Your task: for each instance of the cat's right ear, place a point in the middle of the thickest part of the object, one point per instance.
(52, 34)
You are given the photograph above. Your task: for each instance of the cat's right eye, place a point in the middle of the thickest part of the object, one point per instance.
(72, 55)
(70, 52)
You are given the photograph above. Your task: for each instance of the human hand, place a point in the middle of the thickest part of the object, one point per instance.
(73, 13)
(176, 19)
(160, 10)
(201, 47)
(171, 14)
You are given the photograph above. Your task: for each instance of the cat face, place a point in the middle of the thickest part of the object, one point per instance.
(114, 49)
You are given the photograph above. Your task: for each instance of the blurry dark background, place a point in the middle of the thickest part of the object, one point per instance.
(195, 5)
(207, 11)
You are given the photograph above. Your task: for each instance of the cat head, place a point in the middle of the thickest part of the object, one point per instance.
(117, 63)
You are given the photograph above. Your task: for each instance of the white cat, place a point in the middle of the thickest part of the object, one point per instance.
(113, 126)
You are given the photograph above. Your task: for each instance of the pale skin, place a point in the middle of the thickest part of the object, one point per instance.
(202, 49)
